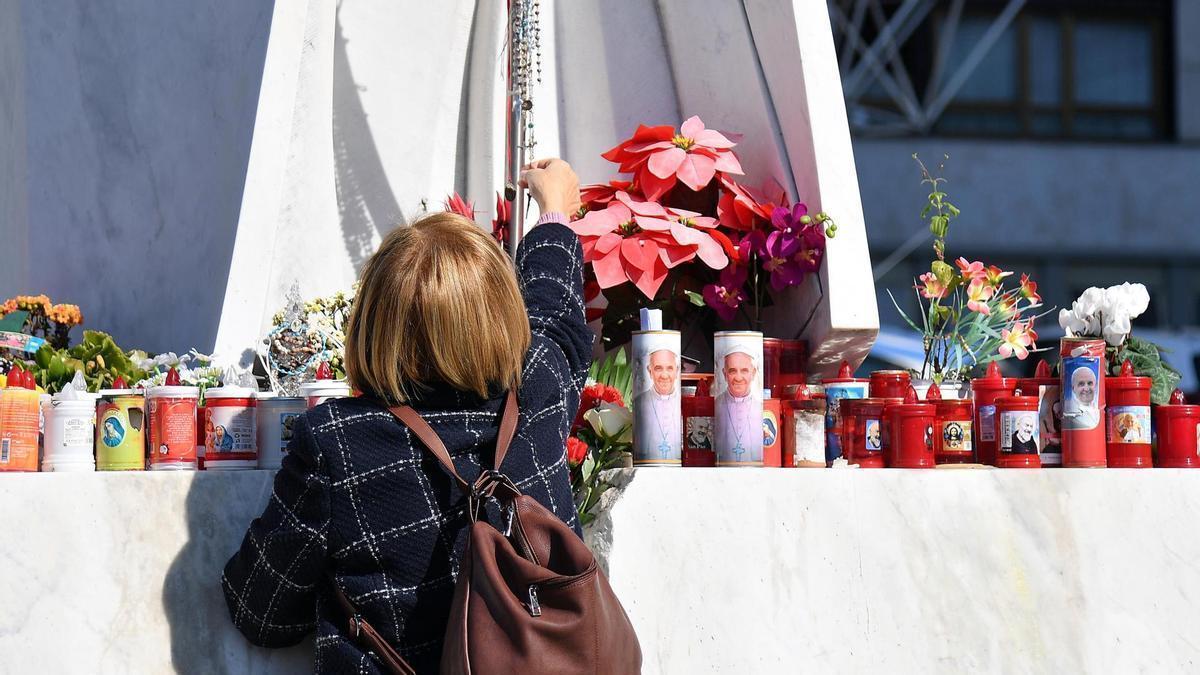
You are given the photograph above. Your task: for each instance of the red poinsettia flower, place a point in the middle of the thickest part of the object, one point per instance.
(658, 157)
(577, 451)
(502, 219)
(741, 208)
(598, 195)
(463, 207)
(591, 293)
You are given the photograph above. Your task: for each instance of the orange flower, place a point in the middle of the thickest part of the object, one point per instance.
(66, 315)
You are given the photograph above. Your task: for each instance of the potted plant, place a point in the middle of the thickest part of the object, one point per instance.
(970, 315)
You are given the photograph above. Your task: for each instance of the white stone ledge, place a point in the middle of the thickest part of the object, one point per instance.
(722, 570)
(769, 570)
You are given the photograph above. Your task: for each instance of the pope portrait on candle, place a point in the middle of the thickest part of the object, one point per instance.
(739, 407)
(1081, 409)
(658, 420)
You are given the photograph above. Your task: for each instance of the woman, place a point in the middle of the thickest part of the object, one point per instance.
(440, 323)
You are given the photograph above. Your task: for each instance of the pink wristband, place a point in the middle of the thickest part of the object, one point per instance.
(552, 217)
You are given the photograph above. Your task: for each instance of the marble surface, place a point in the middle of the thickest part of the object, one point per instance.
(120, 573)
(721, 570)
(765, 571)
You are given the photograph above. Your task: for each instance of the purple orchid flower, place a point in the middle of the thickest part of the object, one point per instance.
(727, 295)
(778, 260)
(788, 220)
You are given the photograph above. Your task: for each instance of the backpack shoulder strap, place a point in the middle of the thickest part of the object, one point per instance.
(417, 424)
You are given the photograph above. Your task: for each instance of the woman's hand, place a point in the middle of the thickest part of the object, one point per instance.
(553, 184)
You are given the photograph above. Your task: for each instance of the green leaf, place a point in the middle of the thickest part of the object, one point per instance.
(942, 271)
(43, 356)
(695, 298)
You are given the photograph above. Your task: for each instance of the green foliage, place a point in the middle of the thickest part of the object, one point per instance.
(99, 359)
(615, 371)
(1146, 359)
(587, 482)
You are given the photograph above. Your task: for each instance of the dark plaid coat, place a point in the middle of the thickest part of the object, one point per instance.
(356, 498)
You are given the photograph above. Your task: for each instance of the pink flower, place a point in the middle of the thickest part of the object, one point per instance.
(978, 294)
(727, 294)
(1019, 340)
(658, 157)
(970, 271)
(931, 287)
(463, 207)
(631, 240)
(789, 220)
(1029, 289)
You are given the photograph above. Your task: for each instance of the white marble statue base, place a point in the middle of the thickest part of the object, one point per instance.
(721, 570)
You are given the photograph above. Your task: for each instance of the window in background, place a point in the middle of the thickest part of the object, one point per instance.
(1073, 73)
(1061, 69)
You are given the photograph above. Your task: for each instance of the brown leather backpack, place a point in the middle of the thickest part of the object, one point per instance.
(530, 600)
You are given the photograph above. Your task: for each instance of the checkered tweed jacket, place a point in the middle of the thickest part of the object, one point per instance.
(359, 497)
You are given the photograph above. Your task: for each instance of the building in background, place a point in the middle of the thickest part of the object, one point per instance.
(1073, 134)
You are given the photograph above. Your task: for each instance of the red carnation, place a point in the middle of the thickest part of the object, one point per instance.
(594, 395)
(577, 451)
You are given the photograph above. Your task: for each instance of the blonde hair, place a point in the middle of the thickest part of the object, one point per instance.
(437, 303)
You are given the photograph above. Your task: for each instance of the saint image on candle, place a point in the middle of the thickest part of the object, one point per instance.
(739, 407)
(1024, 440)
(1081, 409)
(872, 435)
(658, 431)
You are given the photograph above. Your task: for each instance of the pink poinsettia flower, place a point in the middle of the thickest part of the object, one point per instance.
(978, 294)
(1018, 341)
(658, 157)
(1029, 289)
(640, 241)
(778, 260)
(727, 295)
(970, 271)
(994, 276)
(931, 287)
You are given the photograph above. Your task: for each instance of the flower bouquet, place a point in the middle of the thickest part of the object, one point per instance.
(43, 318)
(969, 315)
(1108, 313)
(680, 233)
(602, 434)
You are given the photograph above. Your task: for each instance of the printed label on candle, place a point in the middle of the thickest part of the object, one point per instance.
(230, 430)
(872, 440)
(987, 422)
(699, 433)
(1049, 419)
(19, 412)
(1128, 424)
(1081, 397)
(172, 430)
(956, 436)
(1018, 432)
(77, 432)
(287, 421)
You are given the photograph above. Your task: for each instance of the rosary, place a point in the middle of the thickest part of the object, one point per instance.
(524, 70)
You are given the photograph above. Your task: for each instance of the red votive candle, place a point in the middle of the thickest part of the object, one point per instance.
(772, 350)
(890, 383)
(1017, 429)
(953, 442)
(985, 390)
(910, 432)
(1046, 387)
(697, 427)
(1178, 434)
(1127, 419)
(862, 430)
(793, 355)
(804, 431)
(1083, 437)
(772, 425)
